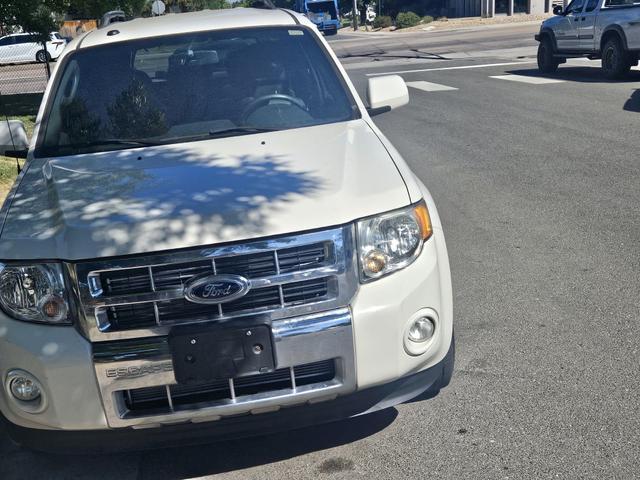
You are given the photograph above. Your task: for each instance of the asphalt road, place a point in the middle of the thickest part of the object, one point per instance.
(538, 188)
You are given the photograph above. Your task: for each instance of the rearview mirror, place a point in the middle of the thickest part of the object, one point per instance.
(386, 93)
(558, 10)
(13, 139)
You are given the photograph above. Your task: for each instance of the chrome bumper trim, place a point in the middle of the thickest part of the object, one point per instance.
(297, 340)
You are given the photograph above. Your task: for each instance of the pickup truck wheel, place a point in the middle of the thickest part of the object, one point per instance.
(547, 63)
(615, 61)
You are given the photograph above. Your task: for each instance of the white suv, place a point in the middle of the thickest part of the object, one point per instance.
(211, 237)
(24, 47)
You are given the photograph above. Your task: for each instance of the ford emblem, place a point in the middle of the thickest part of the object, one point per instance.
(216, 288)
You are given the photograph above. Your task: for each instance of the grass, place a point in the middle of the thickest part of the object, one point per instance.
(8, 169)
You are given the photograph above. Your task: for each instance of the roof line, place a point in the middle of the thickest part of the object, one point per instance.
(295, 19)
(84, 38)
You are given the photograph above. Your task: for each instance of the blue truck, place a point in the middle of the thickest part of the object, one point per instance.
(324, 13)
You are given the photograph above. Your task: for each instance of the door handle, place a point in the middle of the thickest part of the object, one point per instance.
(576, 19)
(583, 18)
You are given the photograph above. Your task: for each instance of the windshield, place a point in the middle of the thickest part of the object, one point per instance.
(190, 87)
(321, 7)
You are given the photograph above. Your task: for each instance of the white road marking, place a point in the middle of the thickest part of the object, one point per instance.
(526, 79)
(430, 87)
(460, 67)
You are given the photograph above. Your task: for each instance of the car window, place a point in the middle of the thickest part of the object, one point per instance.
(592, 5)
(575, 6)
(6, 41)
(187, 87)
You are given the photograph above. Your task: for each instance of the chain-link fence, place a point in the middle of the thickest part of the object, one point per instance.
(25, 69)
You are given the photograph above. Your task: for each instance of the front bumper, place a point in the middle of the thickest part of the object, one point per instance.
(369, 400)
(63, 360)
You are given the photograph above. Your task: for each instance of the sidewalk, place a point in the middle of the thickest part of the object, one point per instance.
(457, 24)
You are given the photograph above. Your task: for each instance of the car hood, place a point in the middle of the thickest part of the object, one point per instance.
(200, 193)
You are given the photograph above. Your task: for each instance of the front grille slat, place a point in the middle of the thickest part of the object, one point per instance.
(304, 292)
(143, 400)
(254, 265)
(302, 257)
(127, 281)
(168, 277)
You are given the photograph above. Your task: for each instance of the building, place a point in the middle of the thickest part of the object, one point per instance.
(490, 8)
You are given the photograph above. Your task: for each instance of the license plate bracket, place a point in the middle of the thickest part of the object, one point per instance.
(207, 354)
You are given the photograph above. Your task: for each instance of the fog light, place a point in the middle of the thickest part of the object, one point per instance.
(25, 388)
(421, 330)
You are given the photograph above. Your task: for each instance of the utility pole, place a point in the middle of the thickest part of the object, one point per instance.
(354, 14)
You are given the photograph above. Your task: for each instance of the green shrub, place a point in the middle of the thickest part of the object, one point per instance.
(427, 19)
(407, 19)
(382, 21)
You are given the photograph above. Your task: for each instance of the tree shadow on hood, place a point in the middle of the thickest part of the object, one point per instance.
(131, 202)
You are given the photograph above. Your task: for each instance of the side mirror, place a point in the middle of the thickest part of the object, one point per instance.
(558, 10)
(386, 93)
(13, 139)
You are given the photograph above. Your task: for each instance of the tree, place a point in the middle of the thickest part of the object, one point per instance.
(34, 16)
(196, 5)
(97, 8)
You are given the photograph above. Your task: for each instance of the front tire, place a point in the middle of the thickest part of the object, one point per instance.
(615, 61)
(43, 56)
(547, 63)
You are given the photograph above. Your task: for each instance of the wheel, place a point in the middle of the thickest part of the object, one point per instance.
(547, 63)
(43, 56)
(615, 61)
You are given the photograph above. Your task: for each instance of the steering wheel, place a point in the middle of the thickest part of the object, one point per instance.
(265, 99)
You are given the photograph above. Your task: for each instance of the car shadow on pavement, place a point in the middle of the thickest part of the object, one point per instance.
(633, 103)
(577, 74)
(245, 453)
(191, 461)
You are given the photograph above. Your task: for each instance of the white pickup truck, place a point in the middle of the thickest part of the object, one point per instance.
(597, 29)
(211, 238)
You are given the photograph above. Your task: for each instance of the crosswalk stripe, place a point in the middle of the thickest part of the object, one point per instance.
(429, 87)
(527, 79)
(440, 69)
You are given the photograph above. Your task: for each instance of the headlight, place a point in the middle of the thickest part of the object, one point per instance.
(391, 241)
(34, 293)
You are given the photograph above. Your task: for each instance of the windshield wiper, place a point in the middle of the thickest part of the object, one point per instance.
(161, 141)
(111, 141)
(240, 131)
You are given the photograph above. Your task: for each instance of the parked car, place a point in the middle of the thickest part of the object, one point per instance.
(597, 29)
(211, 238)
(25, 47)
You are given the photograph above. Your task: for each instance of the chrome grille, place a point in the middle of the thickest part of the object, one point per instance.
(144, 295)
(166, 398)
(132, 316)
